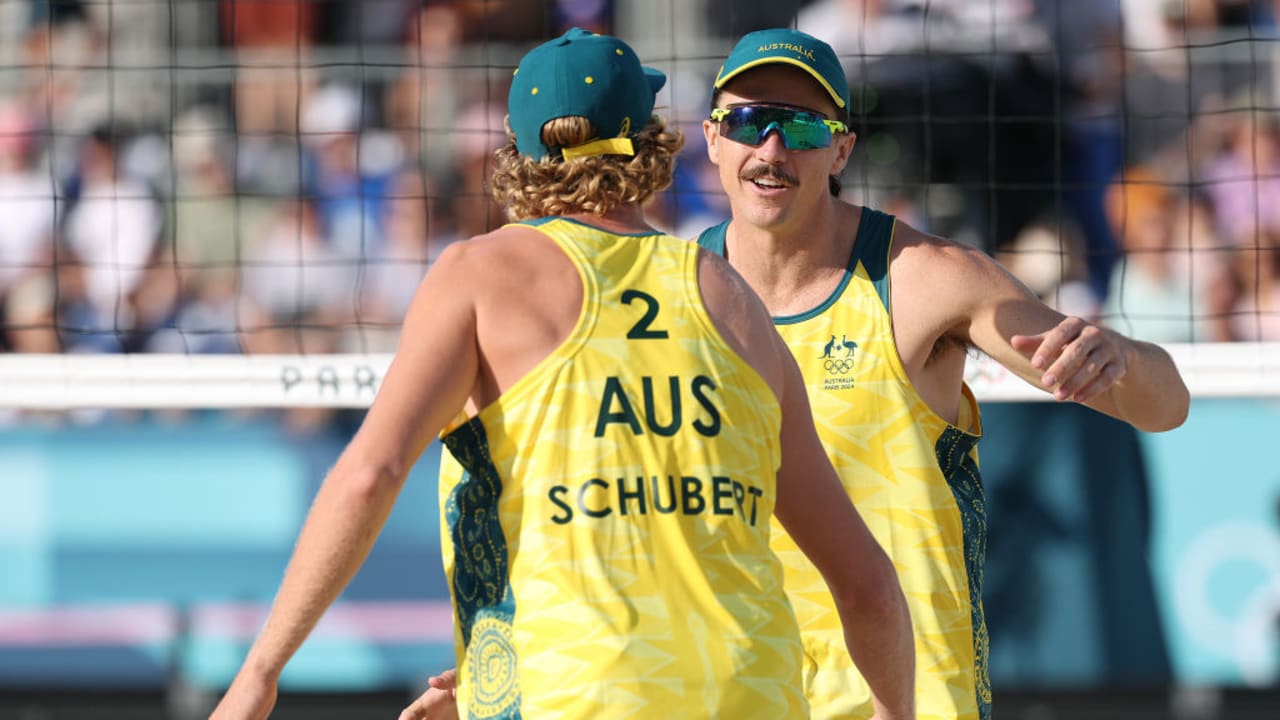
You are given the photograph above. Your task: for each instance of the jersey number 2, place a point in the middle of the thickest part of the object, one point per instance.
(641, 331)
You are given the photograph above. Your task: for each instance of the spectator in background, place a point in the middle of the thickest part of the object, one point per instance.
(271, 39)
(213, 227)
(297, 296)
(29, 316)
(206, 321)
(347, 170)
(1048, 256)
(478, 131)
(213, 222)
(1165, 87)
(421, 104)
(1242, 184)
(26, 204)
(1242, 181)
(28, 213)
(1160, 287)
(112, 231)
(1090, 52)
(60, 100)
(304, 291)
(415, 237)
(1253, 298)
(695, 199)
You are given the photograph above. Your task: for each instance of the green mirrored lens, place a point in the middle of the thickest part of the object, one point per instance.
(806, 135)
(751, 125)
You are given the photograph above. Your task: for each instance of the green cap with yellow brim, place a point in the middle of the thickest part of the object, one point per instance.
(582, 74)
(791, 47)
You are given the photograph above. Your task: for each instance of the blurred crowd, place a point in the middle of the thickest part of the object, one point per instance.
(253, 194)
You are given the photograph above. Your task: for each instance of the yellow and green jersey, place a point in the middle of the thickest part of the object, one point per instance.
(913, 477)
(606, 521)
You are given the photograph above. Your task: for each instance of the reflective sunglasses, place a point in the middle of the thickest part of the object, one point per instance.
(800, 129)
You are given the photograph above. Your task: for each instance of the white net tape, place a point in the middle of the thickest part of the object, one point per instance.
(351, 381)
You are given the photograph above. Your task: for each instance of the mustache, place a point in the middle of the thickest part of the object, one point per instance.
(771, 172)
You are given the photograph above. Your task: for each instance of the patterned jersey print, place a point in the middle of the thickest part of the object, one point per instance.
(913, 477)
(606, 521)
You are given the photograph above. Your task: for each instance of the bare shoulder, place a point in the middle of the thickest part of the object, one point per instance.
(721, 284)
(507, 243)
(731, 302)
(508, 255)
(940, 289)
(739, 315)
(936, 269)
(917, 251)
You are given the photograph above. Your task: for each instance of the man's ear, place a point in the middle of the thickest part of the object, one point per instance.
(712, 135)
(844, 145)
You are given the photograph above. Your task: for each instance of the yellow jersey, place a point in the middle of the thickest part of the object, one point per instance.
(605, 523)
(913, 477)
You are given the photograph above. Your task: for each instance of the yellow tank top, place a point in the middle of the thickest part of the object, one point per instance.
(913, 477)
(605, 523)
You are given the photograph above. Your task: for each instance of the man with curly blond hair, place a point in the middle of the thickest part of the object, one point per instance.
(623, 424)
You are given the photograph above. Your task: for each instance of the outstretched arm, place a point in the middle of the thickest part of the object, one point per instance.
(817, 513)
(1068, 357)
(427, 384)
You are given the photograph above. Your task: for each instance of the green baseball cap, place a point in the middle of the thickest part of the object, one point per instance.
(583, 74)
(784, 45)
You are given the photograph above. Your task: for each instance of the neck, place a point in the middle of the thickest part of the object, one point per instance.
(789, 266)
(622, 219)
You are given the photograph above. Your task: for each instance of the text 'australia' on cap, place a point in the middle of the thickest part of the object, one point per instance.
(582, 74)
(792, 47)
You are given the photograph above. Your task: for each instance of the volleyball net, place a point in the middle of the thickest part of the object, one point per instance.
(206, 201)
(204, 196)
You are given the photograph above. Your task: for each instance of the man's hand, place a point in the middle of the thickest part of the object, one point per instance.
(439, 702)
(1080, 360)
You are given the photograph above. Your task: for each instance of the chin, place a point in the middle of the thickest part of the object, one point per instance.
(763, 215)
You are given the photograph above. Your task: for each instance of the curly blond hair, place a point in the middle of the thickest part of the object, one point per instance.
(595, 184)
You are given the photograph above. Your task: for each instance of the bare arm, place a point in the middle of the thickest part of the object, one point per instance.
(426, 385)
(1128, 379)
(817, 513)
(1068, 357)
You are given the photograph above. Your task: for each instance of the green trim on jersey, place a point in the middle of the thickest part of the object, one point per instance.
(539, 222)
(871, 247)
(482, 595)
(712, 239)
(955, 458)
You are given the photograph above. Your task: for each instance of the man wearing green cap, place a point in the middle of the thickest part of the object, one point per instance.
(880, 317)
(623, 422)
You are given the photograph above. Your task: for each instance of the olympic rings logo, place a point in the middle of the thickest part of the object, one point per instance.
(837, 366)
(1243, 636)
